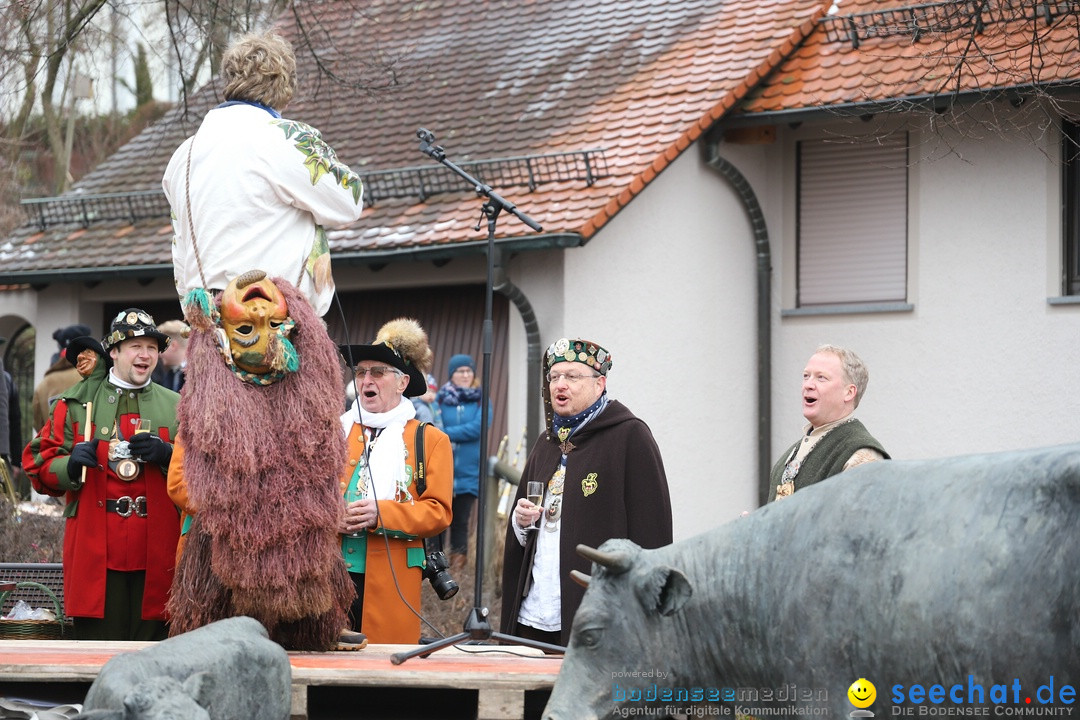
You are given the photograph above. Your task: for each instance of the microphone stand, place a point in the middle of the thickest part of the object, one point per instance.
(476, 626)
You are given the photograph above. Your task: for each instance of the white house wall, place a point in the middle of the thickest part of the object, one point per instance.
(54, 307)
(16, 306)
(668, 287)
(983, 362)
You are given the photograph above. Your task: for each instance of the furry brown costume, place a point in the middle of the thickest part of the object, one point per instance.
(261, 466)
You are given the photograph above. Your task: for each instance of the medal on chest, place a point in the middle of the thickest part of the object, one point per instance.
(564, 442)
(121, 462)
(553, 511)
(553, 514)
(787, 481)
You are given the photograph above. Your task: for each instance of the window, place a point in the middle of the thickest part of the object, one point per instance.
(1070, 203)
(852, 220)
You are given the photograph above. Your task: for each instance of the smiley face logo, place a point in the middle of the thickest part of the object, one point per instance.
(862, 693)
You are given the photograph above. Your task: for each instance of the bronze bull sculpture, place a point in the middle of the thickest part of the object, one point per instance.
(952, 585)
(226, 670)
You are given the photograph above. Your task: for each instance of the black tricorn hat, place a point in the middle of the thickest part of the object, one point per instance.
(85, 342)
(400, 343)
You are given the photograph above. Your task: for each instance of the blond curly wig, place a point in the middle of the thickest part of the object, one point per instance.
(260, 68)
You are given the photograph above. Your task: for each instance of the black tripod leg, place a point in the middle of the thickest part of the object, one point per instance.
(515, 640)
(425, 650)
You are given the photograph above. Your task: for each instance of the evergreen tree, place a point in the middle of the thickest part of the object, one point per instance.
(144, 86)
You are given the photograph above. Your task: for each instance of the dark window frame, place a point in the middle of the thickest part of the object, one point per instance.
(1070, 208)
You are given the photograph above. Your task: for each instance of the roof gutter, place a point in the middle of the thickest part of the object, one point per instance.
(939, 102)
(429, 253)
(533, 349)
(711, 151)
(94, 275)
(88, 275)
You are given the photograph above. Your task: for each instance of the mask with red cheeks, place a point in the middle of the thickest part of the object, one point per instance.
(252, 310)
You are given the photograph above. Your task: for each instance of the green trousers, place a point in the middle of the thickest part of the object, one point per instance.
(123, 612)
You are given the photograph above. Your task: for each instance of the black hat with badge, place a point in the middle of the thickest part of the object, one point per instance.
(400, 343)
(133, 323)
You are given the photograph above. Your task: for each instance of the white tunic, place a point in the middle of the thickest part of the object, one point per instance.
(262, 188)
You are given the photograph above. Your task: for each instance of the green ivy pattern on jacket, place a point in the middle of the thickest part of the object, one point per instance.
(320, 158)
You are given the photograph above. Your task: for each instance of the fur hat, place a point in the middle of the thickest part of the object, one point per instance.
(400, 343)
(133, 323)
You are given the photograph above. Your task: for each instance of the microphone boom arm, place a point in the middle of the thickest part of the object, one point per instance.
(497, 202)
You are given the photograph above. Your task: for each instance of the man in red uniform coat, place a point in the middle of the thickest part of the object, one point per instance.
(106, 447)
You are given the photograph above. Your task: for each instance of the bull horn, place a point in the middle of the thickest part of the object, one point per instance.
(248, 278)
(579, 577)
(616, 562)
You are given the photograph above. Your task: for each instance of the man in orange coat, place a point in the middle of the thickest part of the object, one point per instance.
(386, 516)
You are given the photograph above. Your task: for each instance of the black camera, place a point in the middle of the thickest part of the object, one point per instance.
(436, 571)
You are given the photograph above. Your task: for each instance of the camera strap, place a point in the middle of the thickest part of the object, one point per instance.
(419, 462)
(435, 543)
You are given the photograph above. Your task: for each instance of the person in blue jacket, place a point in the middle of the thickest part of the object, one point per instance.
(459, 405)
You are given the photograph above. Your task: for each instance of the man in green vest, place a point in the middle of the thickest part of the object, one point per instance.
(834, 381)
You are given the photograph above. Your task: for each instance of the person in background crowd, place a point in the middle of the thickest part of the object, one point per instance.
(427, 410)
(60, 375)
(173, 362)
(106, 447)
(603, 478)
(834, 382)
(64, 335)
(459, 406)
(10, 418)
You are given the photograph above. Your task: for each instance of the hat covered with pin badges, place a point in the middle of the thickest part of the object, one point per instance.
(133, 323)
(581, 351)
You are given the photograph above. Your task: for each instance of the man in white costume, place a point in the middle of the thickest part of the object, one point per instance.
(252, 190)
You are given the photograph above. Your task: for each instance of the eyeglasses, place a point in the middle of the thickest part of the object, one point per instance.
(376, 372)
(571, 377)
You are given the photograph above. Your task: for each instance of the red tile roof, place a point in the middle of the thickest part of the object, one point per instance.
(639, 79)
(904, 50)
(629, 84)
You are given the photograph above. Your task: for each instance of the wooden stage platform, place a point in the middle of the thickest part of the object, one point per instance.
(485, 682)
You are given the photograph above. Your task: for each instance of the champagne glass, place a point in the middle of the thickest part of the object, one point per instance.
(534, 491)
